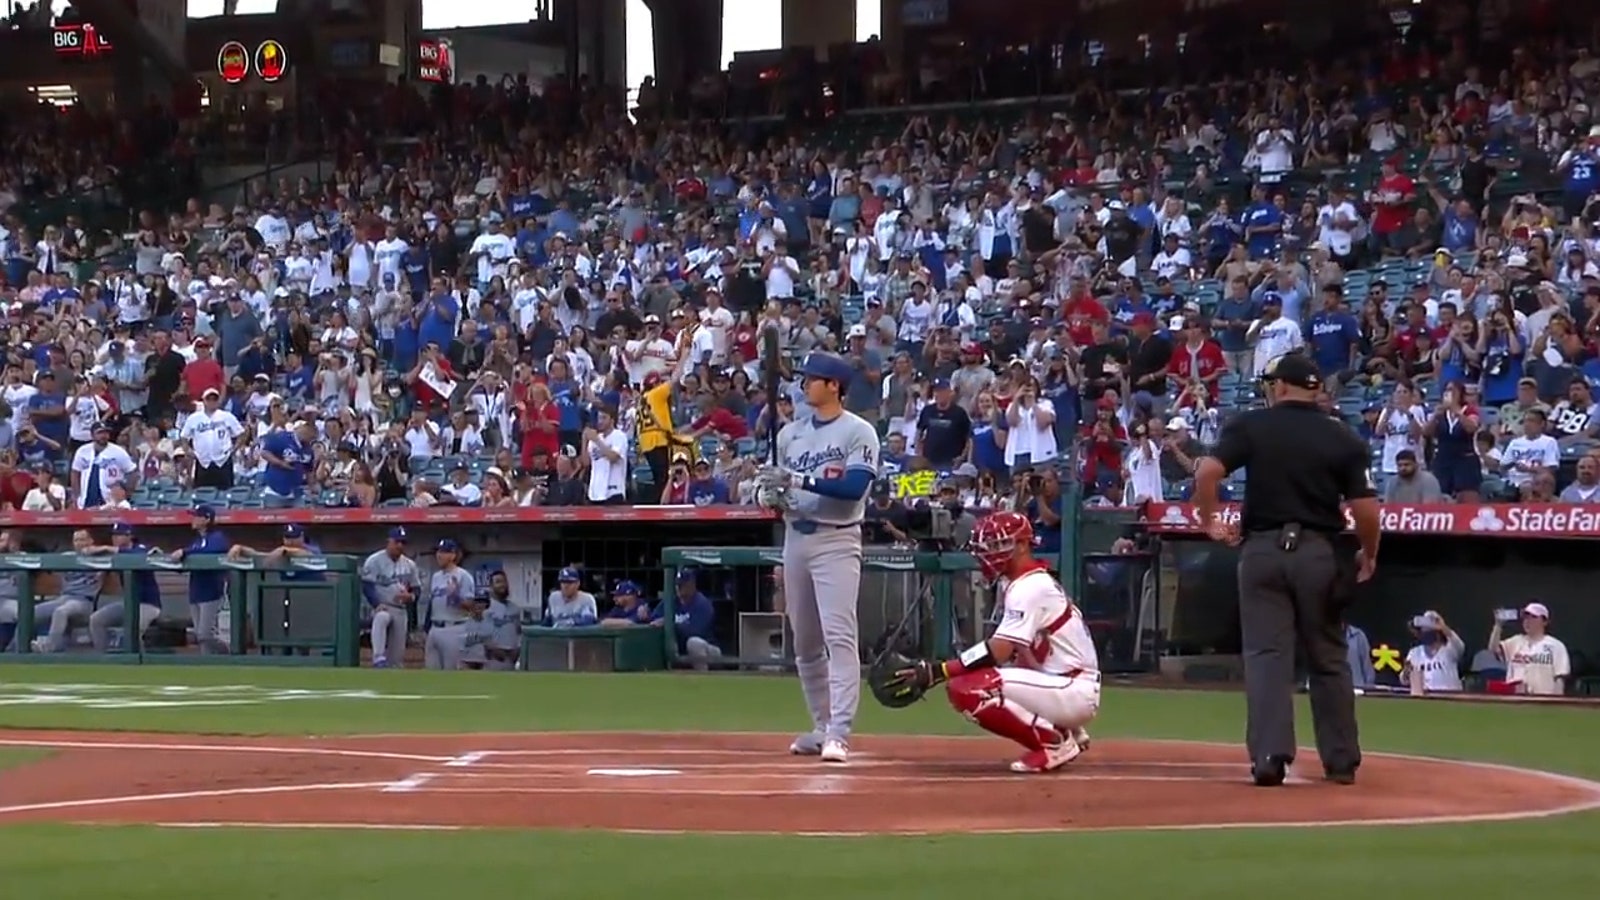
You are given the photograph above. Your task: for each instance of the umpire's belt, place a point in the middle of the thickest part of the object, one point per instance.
(807, 526)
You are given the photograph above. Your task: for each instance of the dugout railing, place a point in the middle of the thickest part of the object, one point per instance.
(296, 611)
(942, 606)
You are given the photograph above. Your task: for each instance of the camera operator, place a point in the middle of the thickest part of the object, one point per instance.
(887, 521)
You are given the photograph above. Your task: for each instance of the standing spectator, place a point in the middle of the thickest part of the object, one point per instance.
(1272, 335)
(1434, 663)
(47, 494)
(1536, 662)
(1030, 428)
(943, 429)
(705, 488)
(98, 466)
(212, 433)
(607, 449)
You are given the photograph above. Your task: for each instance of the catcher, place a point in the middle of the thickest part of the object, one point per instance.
(1037, 680)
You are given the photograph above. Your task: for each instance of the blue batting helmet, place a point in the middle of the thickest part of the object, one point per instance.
(819, 364)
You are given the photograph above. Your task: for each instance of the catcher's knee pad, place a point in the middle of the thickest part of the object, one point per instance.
(978, 696)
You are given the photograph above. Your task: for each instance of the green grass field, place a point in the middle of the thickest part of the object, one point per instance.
(1469, 861)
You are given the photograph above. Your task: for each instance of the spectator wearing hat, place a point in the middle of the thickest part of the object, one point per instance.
(1273, 335)
(1536, 662)
(290, 459)
(146, 591)
(390, 583)
(705, 488)
(212, 433)
(864, 394)
(164, 367)
(1434, 662)
(1149, 360)
(47, 494)
(569, 605)
(452, 601)
(203, 373)
(47, 410)
(207, 590)
(1179, 451)
(460, 490)
(943, 429)
(98, 466)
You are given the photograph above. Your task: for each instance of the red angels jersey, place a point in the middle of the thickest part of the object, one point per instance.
(1040, 616)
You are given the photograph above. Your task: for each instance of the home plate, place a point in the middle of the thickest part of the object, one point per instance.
(633, 773)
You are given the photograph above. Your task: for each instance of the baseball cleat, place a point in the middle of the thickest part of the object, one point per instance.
(1049, 759)
(835, 751)
(380, 662)
(38, 645)
(1080, 736)
(1270, 771)
(808, 744)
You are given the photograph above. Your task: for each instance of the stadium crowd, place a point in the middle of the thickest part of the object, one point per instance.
(512, 297)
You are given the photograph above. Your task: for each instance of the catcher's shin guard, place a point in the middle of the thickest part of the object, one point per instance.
(977, 695)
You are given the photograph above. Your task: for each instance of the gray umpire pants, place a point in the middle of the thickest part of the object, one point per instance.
(1289, 598)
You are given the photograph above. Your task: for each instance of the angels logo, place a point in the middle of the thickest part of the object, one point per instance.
(271, 61)
(233, 62)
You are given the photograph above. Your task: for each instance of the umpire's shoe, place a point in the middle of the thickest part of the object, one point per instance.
(1340, 776)
(1270, 771)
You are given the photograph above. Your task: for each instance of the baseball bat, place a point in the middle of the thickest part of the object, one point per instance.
(769, 371)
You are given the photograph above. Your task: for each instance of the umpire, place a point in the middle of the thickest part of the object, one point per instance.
(1297, 571)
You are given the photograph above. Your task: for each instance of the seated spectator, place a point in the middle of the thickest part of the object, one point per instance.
(1585, 487)
(1411, 483)
(47, 494)
(460, 490)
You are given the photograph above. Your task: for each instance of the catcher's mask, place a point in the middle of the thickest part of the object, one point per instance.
(995, 540)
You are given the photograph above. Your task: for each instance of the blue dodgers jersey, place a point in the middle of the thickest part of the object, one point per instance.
(828, 450)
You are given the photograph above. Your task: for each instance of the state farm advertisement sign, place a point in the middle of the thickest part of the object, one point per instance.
(1525, 520)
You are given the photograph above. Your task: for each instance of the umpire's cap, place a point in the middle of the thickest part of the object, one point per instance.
(831, 366)
(1296, 369)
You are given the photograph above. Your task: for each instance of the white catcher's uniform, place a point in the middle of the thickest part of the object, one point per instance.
(1056, 672)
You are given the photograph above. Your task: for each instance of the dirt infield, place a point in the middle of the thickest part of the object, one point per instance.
(724, 783)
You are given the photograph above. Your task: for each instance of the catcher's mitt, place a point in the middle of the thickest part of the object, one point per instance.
(889, 687)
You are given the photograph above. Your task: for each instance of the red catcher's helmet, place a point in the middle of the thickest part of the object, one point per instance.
(995, 540)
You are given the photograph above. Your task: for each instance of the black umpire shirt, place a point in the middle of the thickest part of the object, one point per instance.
(1299, 465)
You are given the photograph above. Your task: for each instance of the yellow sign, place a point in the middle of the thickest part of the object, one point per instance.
(1385, 656)
(915, 484)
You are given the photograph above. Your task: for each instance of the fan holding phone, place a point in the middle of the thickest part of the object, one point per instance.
(1535, 661)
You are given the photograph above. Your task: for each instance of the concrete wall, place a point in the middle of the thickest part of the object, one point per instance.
(819, 23)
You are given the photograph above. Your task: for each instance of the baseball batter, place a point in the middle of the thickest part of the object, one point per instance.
(389, 582)
(827, 462)
(1036, 681)
(452, 598)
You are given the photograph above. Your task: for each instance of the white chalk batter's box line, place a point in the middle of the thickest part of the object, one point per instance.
(810, 764)
(419, 780)
(1586, 793)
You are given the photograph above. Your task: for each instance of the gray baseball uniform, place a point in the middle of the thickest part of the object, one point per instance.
(383, 579)
(822, 565)
(79, 591)
(449, 623)
(578, 612)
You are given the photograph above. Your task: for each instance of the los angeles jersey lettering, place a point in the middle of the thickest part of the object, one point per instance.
(828, 450)
(1039, 615)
